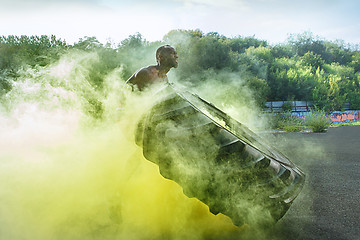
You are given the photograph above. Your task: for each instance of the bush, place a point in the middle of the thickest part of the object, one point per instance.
(292, 126)
(276, 121)
(287, 122)
(317, 121)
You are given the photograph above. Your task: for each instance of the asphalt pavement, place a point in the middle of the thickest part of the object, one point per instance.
(329, 205)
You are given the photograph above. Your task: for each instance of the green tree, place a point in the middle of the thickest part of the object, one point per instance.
(19, 51)
(88, 44)
(307, 42)
(355, 61)
(282, 50)
(337, 52)
(327, 92)
(261, 52)
(240, 44)
(314, 61)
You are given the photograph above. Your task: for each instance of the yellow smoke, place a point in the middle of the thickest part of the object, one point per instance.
(64, 175)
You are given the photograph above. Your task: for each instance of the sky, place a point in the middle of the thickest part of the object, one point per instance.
(111, 20)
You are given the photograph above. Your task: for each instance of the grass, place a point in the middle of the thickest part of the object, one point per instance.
(317, 121)
(287, 122)
(345, 124)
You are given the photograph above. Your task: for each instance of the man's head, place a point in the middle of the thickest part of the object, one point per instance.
(167, 56)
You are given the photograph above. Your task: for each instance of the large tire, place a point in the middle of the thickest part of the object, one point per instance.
(217, 159)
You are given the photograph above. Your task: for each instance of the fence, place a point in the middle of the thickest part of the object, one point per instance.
(296, 106)
(336, 116)
(302, 109)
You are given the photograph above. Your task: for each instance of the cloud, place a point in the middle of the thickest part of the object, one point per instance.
(17, 2)
(270, 20)
(16, 5)
(237, 4)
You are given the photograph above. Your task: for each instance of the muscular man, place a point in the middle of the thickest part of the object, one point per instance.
(166, 58)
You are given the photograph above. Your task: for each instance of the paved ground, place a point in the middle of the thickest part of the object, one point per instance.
(329, 205)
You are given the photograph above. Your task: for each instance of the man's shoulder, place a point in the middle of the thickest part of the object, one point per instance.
(148, 71)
